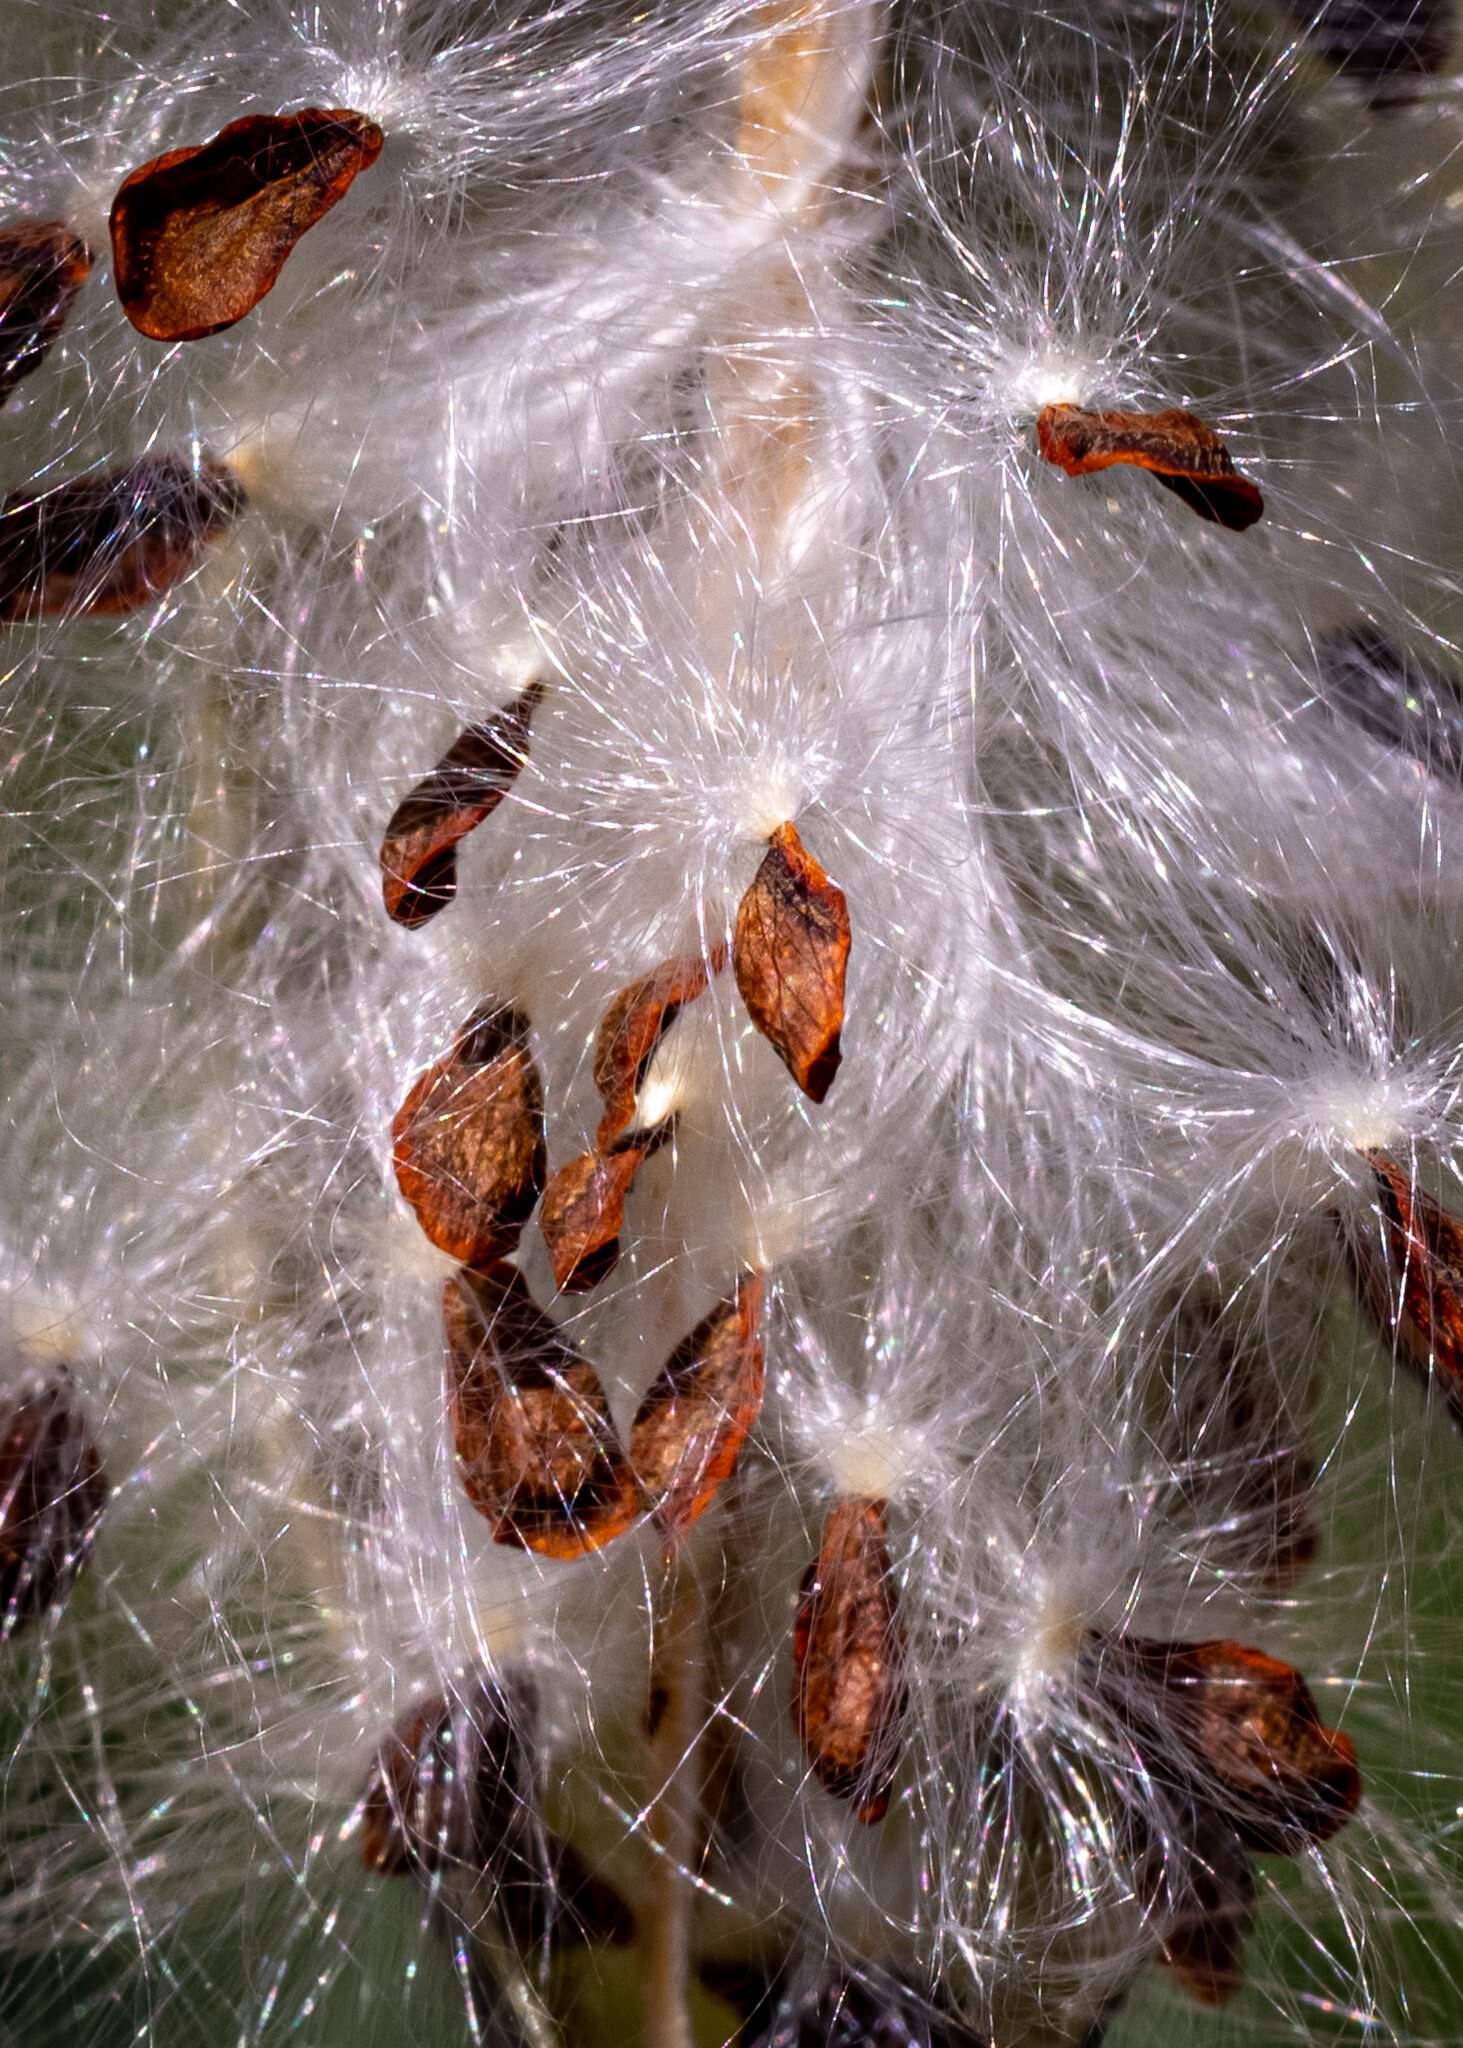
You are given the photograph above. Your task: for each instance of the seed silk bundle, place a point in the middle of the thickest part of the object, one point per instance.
(732, 1257)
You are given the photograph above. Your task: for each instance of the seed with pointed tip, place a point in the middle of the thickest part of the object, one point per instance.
(848, 1655)
(1187, 457)
(109, 544)
(633, 1026)
(52, 1492)
(1251, 1733)
(419, 851)
(468, 1141)
(689, 1430)
(536, 1448)
(790, 956)
(1417, 1296)
(583, 1212)
(453, 1782)
(200, 235)
(42, 268)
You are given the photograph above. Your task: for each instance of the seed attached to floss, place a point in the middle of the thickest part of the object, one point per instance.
(419, 851)
(468, 1141)
(790, 956)
(848, 1655)
(1251, 1731)
(1176, 447)
(689, 1430)
(52, 1492)
(105, 545)
(583, 1213)
(1419, 1297)
(537, 1449)
(634, 1025)
(42, 268)
(452, 1782)
(200, 235)
(1203, 1945)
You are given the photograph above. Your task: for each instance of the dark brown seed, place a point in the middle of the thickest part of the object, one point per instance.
(1203, 1945)
(1418, 1299)
(1187, 457)
(453, 1783)
(790, 955)
(537, 1449)
(108, 544)
(42, 268)
(200, 235)
(633, 1026)
(52, 1492)
(1386, 46)
(690, 1428)
(1394, 696)
(848, 1653)
(419, 852)
(583, 1212)
(468, 1141)
(1251, 1731)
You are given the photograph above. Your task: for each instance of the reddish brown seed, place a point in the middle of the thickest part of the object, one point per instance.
(468, 1141)
(453, 1782)
(419, 851)
(537, 1449)
(790, 955)
(1419, 1297)
(1187, 457)
(108, 544)
(1250, 1728)
(42, 268)
(583, 1212)
(200, 235)
(848, 1653)
(689, 1430)
(1203, 1944)
(52, 1492)
(633, 1026)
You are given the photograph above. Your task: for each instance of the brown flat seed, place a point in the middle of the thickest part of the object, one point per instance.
(1267, 1763)
(583, 1212)
(52, 1492)
(538, 1452)
(633, 1026)
(42, 268)
(848, 1653)
(790, 955)
(419, 851)
(108, 544)
(1419, 1298)
(689, 1430)
(1187, 457)
(452, 1783)
(468, 1141)
(200, 235)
